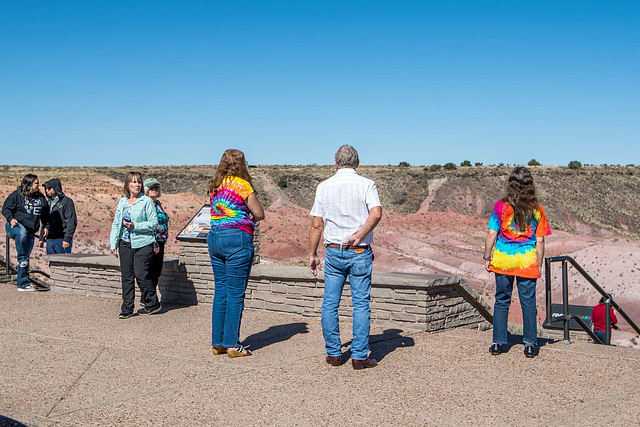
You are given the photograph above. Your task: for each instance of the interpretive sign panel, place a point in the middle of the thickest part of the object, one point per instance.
(582, 311)
(198, 228)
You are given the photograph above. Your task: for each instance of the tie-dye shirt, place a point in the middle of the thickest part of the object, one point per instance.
(515, 253)
(228, 208)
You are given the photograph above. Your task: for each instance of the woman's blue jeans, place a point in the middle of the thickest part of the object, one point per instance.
(338, 264)
(24, 245)
(231, 252)
(527, 295)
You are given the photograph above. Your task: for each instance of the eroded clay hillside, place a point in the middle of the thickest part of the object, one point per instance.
(593, 200)
(434, 222)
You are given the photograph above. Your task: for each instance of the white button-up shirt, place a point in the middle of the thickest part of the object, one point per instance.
(343, 202)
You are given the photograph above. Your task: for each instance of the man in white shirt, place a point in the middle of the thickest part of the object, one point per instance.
(345, 212)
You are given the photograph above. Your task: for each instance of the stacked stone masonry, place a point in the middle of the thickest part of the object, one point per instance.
(415, 301)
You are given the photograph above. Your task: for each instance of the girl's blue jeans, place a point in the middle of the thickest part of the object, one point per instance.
(527, 295)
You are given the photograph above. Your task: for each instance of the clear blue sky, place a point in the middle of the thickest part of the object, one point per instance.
(106, 82)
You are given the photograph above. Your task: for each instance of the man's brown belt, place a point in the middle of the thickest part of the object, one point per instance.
(350, 247)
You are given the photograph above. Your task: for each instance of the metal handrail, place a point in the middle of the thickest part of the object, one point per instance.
(44, 273)
(8, 265)
(6, 257)
(565, 298)
(582, 324)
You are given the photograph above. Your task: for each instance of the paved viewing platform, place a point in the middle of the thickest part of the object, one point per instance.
(69, 360)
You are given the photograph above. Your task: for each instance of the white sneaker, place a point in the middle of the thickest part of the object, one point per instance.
(29, 288)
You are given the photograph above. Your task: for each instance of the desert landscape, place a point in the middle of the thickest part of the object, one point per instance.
(434, 219)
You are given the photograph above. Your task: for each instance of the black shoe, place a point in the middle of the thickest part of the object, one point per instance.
(530, 351)
(495, 349)
(150, 310)
(125, 315)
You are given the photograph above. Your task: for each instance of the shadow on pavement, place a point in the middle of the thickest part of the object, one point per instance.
(388, 341)
(10, 422)
(514, 340)
(170, 306)
(383, 344)
(275, 334)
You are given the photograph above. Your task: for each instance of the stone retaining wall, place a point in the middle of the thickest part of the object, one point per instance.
(426, 302)
(417, 301)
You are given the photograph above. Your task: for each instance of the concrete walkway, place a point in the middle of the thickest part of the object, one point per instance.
(67, 360)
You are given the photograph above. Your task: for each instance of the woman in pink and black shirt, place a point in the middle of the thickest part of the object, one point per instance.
(235, 209)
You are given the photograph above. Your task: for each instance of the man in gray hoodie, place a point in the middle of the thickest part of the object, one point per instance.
(62, 219)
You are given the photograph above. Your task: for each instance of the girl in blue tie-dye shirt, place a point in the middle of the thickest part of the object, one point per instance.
(514, 250)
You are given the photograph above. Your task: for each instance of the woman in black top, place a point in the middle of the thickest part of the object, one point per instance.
(25, 209)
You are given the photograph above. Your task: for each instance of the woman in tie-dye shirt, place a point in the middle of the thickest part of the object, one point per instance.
(235, 209)
(514, 249)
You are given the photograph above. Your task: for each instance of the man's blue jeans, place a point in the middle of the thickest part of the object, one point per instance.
(54, 246)
(527, 295)
(338, 264)
(231, 252)
(24, 245)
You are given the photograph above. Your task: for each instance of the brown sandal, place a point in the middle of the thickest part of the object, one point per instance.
(240, 352)
(218, 350)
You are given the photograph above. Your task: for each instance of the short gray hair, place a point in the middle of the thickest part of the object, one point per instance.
(347, 157)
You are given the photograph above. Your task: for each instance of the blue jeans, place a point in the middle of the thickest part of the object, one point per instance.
(231, 252)
(601, 334)
(338, 264)
(527, 295)
(54, 246)
(24, 245)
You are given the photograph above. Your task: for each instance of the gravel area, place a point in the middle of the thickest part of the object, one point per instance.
(69, 360)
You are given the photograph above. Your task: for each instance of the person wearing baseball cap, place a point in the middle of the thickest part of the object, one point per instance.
(161, 232)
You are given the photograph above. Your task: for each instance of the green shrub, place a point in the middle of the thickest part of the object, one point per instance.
(404, 164)
(434, 168)
(534, 162)
(478, 163)
(449, 166)
(574, 164)
(465, 163)
(282, 183)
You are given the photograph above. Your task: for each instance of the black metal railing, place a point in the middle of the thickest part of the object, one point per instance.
(566, 316)
(9, 270)
(7, 253)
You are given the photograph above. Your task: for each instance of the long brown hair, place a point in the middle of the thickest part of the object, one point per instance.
(27, 183)
(231, 164)
(521, 195)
